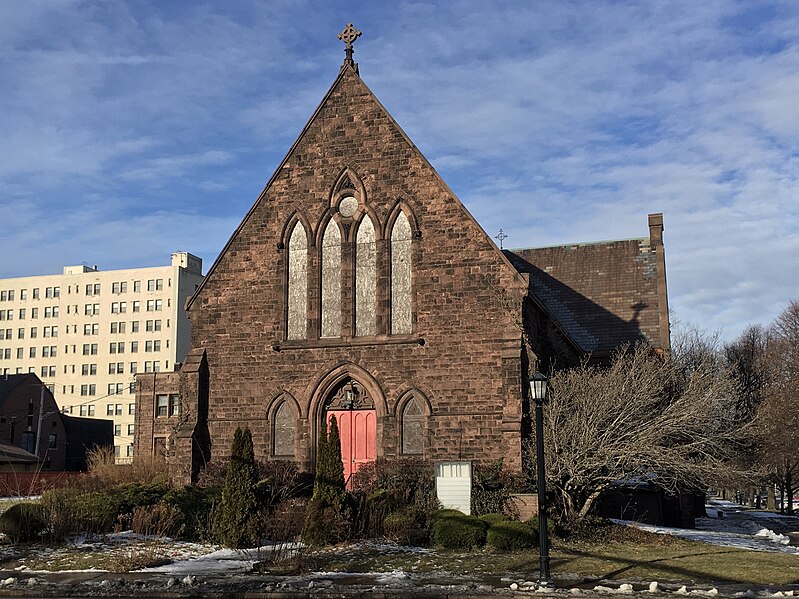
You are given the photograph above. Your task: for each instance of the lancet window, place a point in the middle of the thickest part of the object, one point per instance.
(297, 318)
(401, 297)
(365, 279)
(331, 280)
(283, 431)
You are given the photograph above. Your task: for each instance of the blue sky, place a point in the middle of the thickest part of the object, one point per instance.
(129, 130)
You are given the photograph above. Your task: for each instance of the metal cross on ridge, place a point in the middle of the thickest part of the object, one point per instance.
(502, 237)
(348, 35)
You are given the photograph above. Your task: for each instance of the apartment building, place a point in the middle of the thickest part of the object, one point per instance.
(87, 332)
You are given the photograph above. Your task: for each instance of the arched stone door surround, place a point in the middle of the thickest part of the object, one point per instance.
(331, 389)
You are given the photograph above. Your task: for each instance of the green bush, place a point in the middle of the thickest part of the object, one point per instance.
(457, 530)
(96, 513)
(510, 535)
(236, 519)
(408, 526)
(23, 522)
(132, 495)
(492, 519)
(327, 521)
(196, 504)
(329, 515)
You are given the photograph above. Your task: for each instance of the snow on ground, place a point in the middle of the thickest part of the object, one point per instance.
(732, 525)
(224, 560)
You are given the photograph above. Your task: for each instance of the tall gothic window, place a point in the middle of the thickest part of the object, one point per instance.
(401, 304)
(297, 284)
(412, 428)
(331, 280)
(283, 431)
(365, 279)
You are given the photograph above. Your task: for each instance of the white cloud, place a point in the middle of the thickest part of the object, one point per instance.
(558, 122)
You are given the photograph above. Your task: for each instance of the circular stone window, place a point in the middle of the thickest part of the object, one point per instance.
(348, 206)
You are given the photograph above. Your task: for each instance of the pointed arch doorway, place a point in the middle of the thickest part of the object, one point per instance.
(355, 414)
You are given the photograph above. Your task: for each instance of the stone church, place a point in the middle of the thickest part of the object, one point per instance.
(359, 286)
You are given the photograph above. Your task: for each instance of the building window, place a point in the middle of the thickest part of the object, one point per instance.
(136, 306)
(134, 326)
(133, 366)
(137, 286)
(365, 279)
(117, 430)
(297, 317)
(131, 409)
(134, 347)
(401, 298)
(283, 431)
(52, 441)
(161, 406)
(331, 280)
(412, 429)
(131, 429)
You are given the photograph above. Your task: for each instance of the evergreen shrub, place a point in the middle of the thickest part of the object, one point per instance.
(236, 519)
(196, 504)
(23, 522)
(492, 519)
(328, 517)
(457, 530)
(511, 535)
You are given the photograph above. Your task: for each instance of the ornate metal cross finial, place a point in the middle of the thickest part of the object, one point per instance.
(349, 35)
(502, 237)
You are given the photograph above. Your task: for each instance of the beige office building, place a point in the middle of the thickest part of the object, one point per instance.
(87, 332)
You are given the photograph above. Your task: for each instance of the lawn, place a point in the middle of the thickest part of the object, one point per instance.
(638, 556)
(621, 555)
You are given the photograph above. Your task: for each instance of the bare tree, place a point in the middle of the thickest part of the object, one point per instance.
(778, 415)
(746, 358)
(667, 421)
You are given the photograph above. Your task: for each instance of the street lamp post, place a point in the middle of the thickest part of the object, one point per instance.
(538, 392)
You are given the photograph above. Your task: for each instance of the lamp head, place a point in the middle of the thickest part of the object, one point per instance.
(538, 387)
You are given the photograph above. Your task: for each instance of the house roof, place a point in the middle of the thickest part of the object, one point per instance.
(601, 295)
(15, 455)
(10, 382)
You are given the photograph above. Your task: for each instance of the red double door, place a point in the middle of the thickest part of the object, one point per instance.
(357, 429)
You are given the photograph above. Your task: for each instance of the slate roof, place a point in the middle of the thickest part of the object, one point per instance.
(601, 295)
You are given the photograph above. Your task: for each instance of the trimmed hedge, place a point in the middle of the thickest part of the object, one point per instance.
(492, 519)
(510, 535)
(455, 530)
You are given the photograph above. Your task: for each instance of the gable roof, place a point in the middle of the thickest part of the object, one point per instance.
(601, 295)
(9, 383)
(347, 71)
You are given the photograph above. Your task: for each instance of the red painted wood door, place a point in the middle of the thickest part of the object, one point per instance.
(358, 432)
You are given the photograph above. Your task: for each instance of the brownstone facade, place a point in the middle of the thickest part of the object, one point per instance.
(436, 358)
(459, 362)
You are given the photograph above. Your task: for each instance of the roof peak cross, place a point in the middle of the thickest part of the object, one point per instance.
(348, 35)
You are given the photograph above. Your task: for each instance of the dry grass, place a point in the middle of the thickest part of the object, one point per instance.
(637, 556)
(105, 472)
